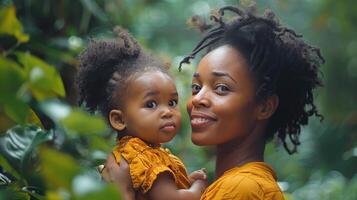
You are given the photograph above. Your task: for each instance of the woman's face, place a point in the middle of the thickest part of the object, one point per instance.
(222, 107)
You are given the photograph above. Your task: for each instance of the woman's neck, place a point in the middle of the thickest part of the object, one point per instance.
(239, 152)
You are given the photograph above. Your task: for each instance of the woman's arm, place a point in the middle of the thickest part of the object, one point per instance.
(165, 188)
(119, 175)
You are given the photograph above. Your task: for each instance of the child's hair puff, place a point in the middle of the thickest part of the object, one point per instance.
(105, 68)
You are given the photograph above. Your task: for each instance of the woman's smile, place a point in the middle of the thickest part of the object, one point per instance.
(200, 120)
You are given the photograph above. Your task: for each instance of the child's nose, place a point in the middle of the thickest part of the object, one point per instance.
(166, 113)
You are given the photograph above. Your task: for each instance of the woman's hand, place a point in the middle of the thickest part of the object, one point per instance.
(119, 175)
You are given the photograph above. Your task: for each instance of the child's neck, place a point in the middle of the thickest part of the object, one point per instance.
(239, 152)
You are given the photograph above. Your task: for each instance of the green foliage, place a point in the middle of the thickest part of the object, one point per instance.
(11, 25)
(50, 147)
(83, 123)
(36, 163)
(43, 79)
(19, 143)
(54, 162)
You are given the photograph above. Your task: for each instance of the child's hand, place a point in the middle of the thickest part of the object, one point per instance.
(198, 181)
(198, 175)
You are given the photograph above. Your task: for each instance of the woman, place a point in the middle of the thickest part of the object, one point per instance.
(255, 81)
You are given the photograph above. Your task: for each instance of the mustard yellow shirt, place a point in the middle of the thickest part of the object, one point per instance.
(255, 180)
(147, 162)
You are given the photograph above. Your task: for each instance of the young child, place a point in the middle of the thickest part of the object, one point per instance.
(134, 91)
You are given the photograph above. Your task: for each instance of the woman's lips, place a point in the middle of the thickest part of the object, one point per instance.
(201, 120)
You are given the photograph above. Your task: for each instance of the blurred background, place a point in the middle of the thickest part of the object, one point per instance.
(50, 147)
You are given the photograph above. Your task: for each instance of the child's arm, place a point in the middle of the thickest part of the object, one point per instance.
(164, 188)
(119, 175)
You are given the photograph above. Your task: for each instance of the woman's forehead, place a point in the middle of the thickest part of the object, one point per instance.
(224, 59)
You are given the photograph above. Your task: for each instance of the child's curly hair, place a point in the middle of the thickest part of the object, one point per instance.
(105, 68)
(282, 63)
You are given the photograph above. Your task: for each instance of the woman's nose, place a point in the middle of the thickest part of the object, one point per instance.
(201, 99)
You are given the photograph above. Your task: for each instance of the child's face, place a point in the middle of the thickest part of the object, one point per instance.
(222, 107)
(150, 109)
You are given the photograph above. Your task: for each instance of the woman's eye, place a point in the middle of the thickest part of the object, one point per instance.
(151, 104)
(222, 88)
(195, 88)
(173, 103)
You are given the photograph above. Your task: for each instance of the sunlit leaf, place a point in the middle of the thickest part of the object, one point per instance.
(58, 168)
(9, 24)
(83, 123)
(44, 80)
(18, 145)
(52, 195)
(109, 192)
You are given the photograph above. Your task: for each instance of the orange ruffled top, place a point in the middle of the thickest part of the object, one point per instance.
(147, 162)
(255, 180)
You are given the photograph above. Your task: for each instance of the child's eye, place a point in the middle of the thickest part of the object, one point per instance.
(221, 88)
(195, 88)
(151, 104)
(173, 103)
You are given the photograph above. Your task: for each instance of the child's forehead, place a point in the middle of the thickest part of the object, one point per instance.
(154, 82)
(151, 76)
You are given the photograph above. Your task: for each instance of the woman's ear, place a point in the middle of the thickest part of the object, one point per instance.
(268, 107)
(116, 120)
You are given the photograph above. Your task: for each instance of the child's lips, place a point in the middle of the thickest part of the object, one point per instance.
(168, 127)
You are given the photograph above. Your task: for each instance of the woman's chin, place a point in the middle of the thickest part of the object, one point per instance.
(198, 140)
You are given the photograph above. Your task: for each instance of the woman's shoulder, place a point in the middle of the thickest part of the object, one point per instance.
(250, 181)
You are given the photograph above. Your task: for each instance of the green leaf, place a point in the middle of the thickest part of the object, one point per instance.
(58, 168)
(5, 121)
(4, 180)
(109, 192)
(13, 192)
(44, 80)
(18, 145)
(81, 122)
(8, 168)
(12, 108)
(17, 110)
(33, 191)
(12, 77)
(10, 25)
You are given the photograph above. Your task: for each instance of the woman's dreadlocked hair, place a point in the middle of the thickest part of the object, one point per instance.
(282, 63)
(105, 68)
